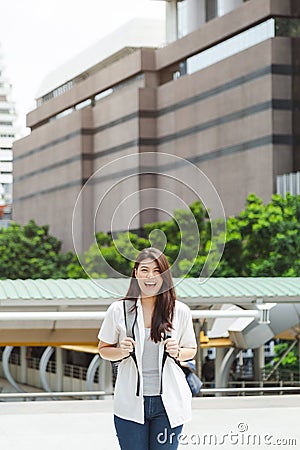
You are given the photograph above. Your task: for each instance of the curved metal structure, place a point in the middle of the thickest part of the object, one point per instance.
(6, 369)
(105, 375)
(43, 367)
(248, 333)
(91, 372)
(226, 365)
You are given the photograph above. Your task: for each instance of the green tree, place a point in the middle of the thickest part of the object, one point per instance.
(29, 251)
(178, 237)
(263, 240)
(184, 239)
(289, 364)
(75, 269)
(290, 361)
(109, 257)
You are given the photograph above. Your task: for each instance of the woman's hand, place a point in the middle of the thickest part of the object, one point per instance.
(172, 347)
(127, 345)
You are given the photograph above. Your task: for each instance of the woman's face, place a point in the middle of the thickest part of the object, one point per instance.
(149, 277)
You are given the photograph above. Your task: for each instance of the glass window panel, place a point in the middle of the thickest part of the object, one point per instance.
(211, 7)
(236, 44)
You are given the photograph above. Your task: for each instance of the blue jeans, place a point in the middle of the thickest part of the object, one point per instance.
(155, 434)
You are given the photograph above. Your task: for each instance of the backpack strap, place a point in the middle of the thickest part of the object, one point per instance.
(165, 355)
(164, 358)
(130, 317)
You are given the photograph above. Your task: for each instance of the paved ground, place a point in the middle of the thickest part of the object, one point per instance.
(224, 423)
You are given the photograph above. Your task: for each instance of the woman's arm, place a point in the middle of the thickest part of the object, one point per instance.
(184, 354)
(114, 353)
(179, 353)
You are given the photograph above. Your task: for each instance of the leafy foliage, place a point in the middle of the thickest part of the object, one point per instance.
(178, 238)
(289, 364)
(29, 251)
(290, 361)
(263, 240)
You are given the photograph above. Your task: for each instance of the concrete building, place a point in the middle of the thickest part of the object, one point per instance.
(185, 16)
(224, 97)
(7, 136)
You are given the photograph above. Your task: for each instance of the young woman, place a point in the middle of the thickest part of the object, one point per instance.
(152, 399)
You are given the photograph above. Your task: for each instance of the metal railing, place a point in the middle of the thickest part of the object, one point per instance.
(70, 370)
(100, 394)
(244, 387)
(78, 372)
(251, 390)
(281, 374)
(14, 358)
(281, 378)
(98, 316)
(71, 395)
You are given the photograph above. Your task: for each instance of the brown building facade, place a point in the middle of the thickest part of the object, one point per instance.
(224, 98)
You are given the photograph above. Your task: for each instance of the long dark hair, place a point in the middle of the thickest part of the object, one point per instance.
(165, 301)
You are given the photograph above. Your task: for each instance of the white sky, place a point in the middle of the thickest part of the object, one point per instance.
(37, 36)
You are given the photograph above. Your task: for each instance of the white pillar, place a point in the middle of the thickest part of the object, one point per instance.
(59, 369)
(225, 6)
(23, 361)
(105, 382)
(198, 358)
(195, 12)
(259, 362)
(220, 353)
(171, 21)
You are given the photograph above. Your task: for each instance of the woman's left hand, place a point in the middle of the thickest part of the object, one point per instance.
(172, 347)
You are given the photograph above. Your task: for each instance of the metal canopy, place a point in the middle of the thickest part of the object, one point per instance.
(214, 290)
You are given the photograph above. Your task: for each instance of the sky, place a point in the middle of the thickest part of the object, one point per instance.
(37, 36)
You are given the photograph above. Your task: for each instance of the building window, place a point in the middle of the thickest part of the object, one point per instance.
(211, 8)
(277, 26)
(103, 94)
(287, 27)
(64, 113)
(182, 19)
(83, 104)
(232, 46)
(289, 182)
(55, 93)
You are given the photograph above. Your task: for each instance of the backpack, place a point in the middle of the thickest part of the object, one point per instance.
(130, 316)
(193, 380)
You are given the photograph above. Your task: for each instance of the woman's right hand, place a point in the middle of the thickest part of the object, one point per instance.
(127, 345)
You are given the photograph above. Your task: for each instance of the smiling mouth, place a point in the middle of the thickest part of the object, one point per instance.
(150, 283)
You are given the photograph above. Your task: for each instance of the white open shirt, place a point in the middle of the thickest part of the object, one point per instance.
(176, 394)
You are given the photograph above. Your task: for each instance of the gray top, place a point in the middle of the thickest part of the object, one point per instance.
(150, 366)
